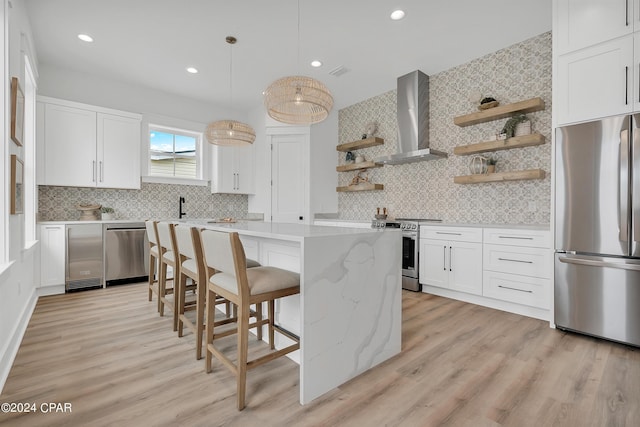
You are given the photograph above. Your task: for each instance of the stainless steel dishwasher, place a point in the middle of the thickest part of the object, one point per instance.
(125, 253)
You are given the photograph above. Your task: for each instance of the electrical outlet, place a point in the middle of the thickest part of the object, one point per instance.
(531, 206)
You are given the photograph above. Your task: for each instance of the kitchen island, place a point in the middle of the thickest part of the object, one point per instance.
(348, 313)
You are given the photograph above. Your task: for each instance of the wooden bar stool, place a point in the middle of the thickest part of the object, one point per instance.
(192, 267)
(154, 256)
(224, 255)
(168, 258)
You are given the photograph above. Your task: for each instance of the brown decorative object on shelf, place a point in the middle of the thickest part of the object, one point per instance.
(500, 176)
(17, 186)
(527, 106)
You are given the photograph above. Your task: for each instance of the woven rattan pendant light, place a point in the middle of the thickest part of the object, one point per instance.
(230, 132)
(298, 99)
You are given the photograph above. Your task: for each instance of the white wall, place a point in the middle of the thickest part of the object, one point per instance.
(19, 266)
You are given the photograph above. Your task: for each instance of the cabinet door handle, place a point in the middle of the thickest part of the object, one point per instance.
(94, 171)
(639, 81)
(101, 172)
(444, 258)
(626, 85)
(626, 13)
(238, 181)
(450, 248)
(515, 237)
(450, 234)
(515, 260)
(515, 289)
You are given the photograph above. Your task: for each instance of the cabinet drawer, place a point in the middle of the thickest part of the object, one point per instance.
(515, 237)
(455, 234)
(524, 290)
(533, 262)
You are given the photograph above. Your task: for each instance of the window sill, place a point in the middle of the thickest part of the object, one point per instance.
(176, 181)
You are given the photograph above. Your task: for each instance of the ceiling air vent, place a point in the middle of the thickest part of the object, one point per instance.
(338, 71)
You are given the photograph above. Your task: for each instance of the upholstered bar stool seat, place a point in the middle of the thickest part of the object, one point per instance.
(224, 257)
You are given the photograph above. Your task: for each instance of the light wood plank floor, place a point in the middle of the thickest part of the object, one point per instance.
(109, 354)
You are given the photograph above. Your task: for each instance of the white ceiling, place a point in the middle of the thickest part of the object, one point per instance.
(151, 42)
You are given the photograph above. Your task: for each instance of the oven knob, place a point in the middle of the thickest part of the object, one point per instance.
(414, 226)
(403, 226)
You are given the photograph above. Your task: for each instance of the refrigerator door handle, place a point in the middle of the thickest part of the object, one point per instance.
(596, 262)
(635, 188)
(623, 194)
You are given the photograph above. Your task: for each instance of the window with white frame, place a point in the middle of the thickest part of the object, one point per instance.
(175, 153)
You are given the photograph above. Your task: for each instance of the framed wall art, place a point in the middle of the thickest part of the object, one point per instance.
(17, 112)
(17, 185)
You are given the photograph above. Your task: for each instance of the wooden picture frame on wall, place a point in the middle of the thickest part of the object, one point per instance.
(17, 185)
(17, 112)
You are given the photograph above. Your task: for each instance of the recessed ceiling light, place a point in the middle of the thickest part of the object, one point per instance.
(85, 38)
(316, 63)
(192, 70)
(397, 15)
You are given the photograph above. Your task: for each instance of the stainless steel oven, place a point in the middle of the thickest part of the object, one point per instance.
(410, 248)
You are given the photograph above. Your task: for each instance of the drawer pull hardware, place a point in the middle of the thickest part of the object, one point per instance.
(451, 234)
(515, 289)
(515, 260)
(444, 258)
(515, 237)
(450, 249)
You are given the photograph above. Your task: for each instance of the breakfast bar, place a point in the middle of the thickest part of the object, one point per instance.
(348, 313)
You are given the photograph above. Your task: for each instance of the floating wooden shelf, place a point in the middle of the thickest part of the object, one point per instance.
(500, 176)
(362, 143)
(357, 166)
(528, 106)
(360, 187)
(503, 144)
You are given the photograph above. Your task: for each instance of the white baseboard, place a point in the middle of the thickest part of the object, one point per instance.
(50, 290)
(6, 361)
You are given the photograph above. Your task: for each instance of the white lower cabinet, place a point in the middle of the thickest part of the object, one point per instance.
(517, 266)
(451, 258)
(52, 255)
(504, 268)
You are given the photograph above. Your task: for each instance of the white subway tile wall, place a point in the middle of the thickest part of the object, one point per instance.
(426, 189)
(151, 201)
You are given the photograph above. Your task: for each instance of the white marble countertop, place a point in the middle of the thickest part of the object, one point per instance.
(278, 230)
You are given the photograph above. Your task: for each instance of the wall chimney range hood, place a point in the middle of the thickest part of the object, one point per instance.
(413, 122)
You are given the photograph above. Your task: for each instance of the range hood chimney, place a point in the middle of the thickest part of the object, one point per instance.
(413, 121)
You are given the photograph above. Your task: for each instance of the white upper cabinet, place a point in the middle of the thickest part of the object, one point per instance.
(583, 23)
(118, 135)
(596, 45)
(232, 170)
(84, 146)
(595, 82)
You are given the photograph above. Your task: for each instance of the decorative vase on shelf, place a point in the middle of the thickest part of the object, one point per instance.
(478, 165)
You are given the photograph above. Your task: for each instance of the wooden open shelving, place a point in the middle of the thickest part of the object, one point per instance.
(362, 143)
(360, 187)
(500, 176)
(500, 112)
(357, 166)
(503, 144)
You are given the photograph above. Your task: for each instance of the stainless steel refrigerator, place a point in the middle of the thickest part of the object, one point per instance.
(597, 228)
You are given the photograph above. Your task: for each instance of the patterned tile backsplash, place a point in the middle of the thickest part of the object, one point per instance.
(151, 201)
(426, 189)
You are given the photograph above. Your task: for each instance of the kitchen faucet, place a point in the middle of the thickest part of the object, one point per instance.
(181, 214)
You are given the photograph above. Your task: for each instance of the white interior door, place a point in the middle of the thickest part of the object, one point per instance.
(288, 178)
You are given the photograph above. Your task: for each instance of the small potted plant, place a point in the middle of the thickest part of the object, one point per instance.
(108, 213)
(511, 124)
(491, 165)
